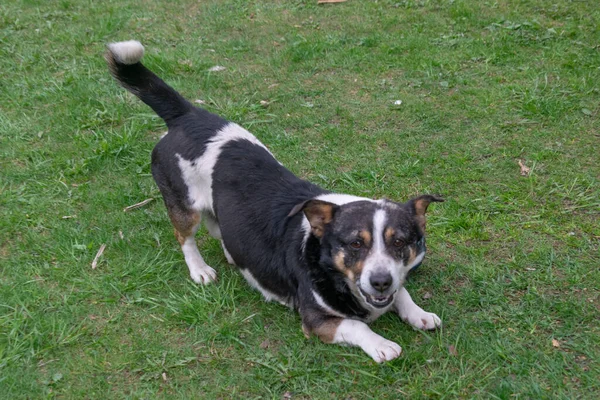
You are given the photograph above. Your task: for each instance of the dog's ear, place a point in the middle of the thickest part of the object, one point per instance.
(319, 213)
(419, 206)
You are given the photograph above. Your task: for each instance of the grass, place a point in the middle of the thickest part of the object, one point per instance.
(513, 261)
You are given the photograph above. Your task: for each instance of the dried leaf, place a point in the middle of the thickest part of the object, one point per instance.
(138, 205)
(555, 343)
(452, 350)
(98, 255)
(69, 216)
(330, 1)
(265, 344)
(199, 101)
(217, 68)
(427, 295)
(287, 395)
(164, 376)
(525, 171)
(121, 235)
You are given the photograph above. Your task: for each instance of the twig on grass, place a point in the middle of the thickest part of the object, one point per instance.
(98, 255)
(138, 205)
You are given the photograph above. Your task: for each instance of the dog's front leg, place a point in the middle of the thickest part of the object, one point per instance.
(413, 314)
(355, 333)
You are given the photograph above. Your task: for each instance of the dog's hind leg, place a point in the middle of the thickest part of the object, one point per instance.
(186, 223)
(212, 226)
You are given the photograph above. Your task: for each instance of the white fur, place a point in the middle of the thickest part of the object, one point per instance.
(416, 261)
(340, 199)
(413, 314)
(379, 258)
(129, 52)
(254, 283)
(227, 255)
(199, 270)
(357, 333)
(198, 177)
(325, 307)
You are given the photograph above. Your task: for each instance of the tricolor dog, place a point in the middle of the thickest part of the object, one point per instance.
(340, 260)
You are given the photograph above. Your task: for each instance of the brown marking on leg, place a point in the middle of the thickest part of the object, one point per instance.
(185, 222)
(306, 331)
(315, 321)
(327, 328)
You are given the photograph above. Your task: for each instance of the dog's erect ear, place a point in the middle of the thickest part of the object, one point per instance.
(319, 213)
(420, 204)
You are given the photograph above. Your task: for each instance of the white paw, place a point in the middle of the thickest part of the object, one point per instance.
(383, 350)
(203, 275)
(424, 320)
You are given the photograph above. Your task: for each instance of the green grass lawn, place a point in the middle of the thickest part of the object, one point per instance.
(513, 261)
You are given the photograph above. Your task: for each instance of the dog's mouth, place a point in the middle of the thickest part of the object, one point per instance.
(378, 301)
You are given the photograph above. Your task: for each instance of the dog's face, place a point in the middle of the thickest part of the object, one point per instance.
(374, 244)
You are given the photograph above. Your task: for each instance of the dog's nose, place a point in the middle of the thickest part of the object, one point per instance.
(381, 281)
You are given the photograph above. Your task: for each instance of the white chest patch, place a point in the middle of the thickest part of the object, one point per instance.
(197, 174)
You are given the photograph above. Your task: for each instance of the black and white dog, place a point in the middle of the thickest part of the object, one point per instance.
(340, 260)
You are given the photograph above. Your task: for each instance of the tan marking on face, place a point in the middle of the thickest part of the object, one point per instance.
(340, 262)
(327, 329)
(389, 234)
(358, 267)
(366, 237)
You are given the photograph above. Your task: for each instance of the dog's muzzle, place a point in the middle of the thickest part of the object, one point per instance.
(378, 301)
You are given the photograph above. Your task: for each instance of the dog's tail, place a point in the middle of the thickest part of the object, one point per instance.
(124, 63)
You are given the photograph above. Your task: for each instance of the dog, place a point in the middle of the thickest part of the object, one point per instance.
(339, 260)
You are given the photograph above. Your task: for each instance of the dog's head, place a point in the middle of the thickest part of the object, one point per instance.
(373, 243)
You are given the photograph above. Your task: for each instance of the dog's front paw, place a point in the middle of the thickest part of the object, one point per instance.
(203, 275)
(424, 320)
(383, 350)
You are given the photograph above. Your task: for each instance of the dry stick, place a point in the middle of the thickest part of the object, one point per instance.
(525, 170)
(98, 255)
(138, 205)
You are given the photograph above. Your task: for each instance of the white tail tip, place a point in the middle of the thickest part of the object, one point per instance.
(129, 52)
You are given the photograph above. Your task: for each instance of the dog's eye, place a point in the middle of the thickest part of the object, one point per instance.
(399, 243)
(357, 244)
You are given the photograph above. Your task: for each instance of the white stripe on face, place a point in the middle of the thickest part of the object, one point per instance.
(378, 258)
(379, 220)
